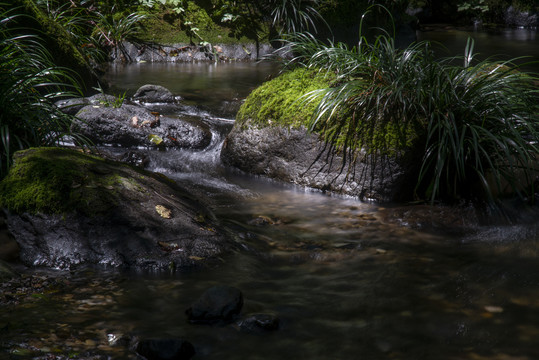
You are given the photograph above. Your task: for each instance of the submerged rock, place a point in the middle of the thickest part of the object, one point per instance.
(217, 304)
(259, 323)
(165, 349)
(66, 208)
(134, 126)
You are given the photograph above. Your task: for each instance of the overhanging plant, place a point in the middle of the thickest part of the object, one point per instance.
(469, 121)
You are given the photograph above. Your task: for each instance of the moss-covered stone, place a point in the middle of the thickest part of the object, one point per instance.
(282, 101)
(65, 208)
(56, 181)
(285, 101)
(57, 40)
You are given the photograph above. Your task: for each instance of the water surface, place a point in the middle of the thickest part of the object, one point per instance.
(347, 279)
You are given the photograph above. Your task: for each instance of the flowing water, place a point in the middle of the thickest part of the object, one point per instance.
(347, 279)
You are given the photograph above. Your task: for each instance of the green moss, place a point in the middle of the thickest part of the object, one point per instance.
(58, 181)
(283, 102)
(56, 38)
(280, 101)
(161, 31)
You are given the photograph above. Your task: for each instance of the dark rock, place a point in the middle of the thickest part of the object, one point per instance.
(259, 323)
(136, 158)
(131, 126)
(84, 209)
(165, 349)
(217, 304)
(102, 100)
(191, 53)
(296, 156)
(514, 17)
(72, 106)
(153, 94)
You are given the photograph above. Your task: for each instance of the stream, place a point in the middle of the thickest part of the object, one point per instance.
(347, 279)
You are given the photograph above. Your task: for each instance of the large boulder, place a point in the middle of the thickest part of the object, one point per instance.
(294, 155)
(135, 126)
(270, 138)
(66, 208)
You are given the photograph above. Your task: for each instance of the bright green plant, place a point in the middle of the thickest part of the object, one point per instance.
(468, 122)
(30, 83)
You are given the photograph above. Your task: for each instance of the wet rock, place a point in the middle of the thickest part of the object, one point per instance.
(153, 94)
(72, 106)
(259, 323)
(101, 99)
(74, 208)
(165, 349)
(136, 158)
(300, 157)
(133, 126)
(217, 304)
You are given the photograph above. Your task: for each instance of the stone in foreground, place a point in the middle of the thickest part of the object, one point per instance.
(66, 208)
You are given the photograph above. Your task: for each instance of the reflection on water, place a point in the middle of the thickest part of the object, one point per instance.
(207, 85)
(501, 44)
(347, 279)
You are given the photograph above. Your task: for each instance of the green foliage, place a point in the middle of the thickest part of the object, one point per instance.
(56, 181)
(474, 8)
(279, 101)
(30, 83)
(469, 121)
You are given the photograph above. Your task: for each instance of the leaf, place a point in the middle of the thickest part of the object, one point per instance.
(156, 139)
(163, 211)
(197, 258)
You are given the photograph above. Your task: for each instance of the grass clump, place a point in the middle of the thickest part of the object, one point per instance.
(473, 125)
(280, 102)
(58, 181)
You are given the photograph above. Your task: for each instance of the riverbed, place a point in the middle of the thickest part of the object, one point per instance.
(347, 279)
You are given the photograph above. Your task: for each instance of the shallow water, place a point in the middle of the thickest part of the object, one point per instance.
(347, 279)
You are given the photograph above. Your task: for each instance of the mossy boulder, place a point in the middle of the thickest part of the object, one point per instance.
(270, 138)
(65, 207)
(283, 101)
(56, 39)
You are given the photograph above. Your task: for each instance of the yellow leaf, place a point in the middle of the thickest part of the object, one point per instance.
(163, 211)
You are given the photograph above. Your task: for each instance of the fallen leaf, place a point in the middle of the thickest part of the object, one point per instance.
(494, 309)
(197, 258)
(157, 140)
(163, 211)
